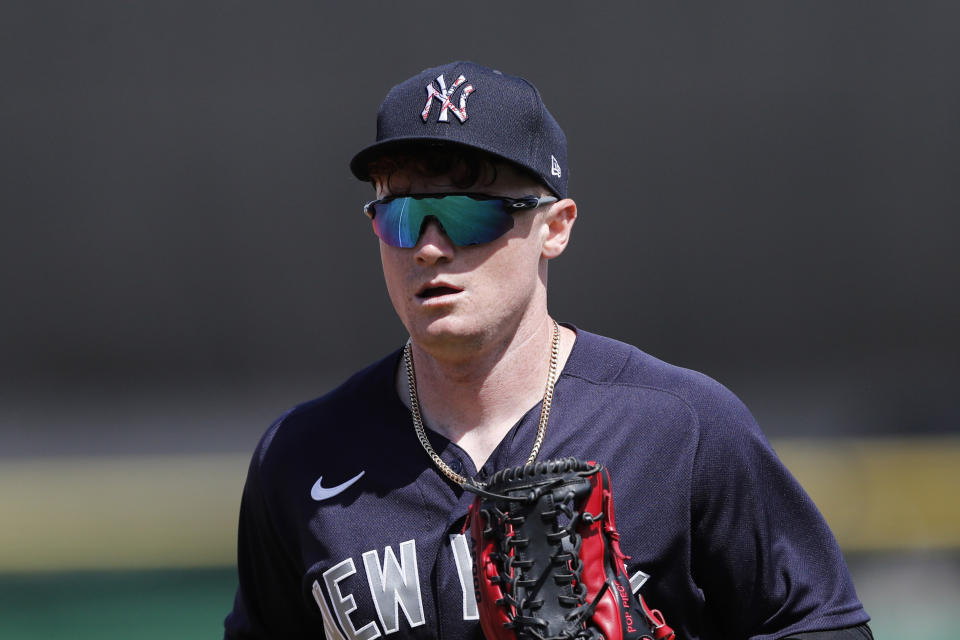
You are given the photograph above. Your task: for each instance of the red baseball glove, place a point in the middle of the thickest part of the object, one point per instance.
(548, 558)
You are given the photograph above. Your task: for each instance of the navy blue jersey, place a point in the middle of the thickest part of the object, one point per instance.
(348, 531)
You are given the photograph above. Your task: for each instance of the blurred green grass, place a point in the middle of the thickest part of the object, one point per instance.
(110, 605)
(192, 603)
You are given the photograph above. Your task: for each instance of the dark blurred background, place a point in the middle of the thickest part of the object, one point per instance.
(768, 193)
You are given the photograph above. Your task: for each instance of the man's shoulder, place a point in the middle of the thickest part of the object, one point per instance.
(372, 383)
(608, 361)
(336, 418)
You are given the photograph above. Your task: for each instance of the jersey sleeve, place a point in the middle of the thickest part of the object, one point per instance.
(269, 600)
(761, 552)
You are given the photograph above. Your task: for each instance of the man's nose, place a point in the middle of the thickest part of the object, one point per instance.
(434, 245)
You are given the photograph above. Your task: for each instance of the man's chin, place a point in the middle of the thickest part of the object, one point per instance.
(446, 332)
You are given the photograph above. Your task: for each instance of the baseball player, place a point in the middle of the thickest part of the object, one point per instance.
(352, 517)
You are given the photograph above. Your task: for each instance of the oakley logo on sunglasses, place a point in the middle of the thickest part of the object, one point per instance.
(443, 95)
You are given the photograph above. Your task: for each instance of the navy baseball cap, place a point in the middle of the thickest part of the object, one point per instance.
(466, 104)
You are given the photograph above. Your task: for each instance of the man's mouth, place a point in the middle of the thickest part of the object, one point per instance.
(436, 292)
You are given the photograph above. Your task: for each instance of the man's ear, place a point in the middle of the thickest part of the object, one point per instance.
(558, 222)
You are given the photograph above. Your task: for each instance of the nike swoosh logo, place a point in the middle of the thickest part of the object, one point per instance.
(320, 492)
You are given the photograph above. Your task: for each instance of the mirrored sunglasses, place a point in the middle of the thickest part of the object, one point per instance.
(466, 218)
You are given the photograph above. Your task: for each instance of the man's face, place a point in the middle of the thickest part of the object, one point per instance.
(450, 296)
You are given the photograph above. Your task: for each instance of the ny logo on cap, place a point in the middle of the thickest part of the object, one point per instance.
(443, 95)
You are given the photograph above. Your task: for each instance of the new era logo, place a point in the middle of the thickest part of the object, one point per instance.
(554, 167)
(443, 95)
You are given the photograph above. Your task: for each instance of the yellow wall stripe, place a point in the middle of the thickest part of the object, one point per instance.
(181, 511)
(882, 494)
(116, 513)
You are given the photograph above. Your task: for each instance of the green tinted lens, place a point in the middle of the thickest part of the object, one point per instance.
(464, 219)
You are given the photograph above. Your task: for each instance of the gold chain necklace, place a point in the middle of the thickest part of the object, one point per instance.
(418, 419)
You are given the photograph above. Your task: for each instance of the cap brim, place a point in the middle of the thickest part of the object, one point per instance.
(360, 164)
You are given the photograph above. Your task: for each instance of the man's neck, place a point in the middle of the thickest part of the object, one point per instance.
(475, 401)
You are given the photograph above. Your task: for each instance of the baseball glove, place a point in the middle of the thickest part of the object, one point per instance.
(547, 557)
